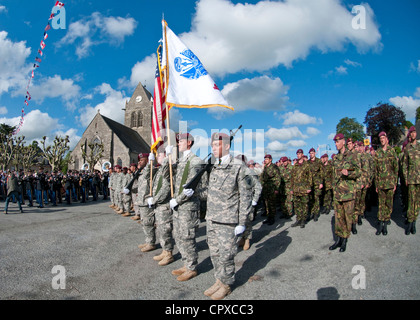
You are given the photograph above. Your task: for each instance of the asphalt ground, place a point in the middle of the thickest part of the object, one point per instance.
(96, 250)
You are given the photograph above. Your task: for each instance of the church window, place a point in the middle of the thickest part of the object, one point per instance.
(140, 119)
(119, 162)
(134, 122)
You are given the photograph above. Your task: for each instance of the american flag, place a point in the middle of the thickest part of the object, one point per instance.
(159, 107)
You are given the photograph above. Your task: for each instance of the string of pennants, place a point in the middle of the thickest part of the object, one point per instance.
(36, 65)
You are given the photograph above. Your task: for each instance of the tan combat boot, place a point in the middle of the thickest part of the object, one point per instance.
(210, 291)
(179, 271)
(126, 214)
(187, 275)
(222, 292)
(246, 245)
(148, 247)
(120, 211)
(160, 256)
(135, 218)
(167, 259)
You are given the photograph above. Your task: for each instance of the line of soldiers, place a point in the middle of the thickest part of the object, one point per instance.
(171, 215)
(50, 187)
(345, 183)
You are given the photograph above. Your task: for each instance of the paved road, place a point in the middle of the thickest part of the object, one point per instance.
(98, 250)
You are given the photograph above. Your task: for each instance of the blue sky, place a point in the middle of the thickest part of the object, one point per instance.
(291, 69)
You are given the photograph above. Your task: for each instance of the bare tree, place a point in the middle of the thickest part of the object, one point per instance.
(30, 154)
(55, 153)
(95, 153)
(9, 145)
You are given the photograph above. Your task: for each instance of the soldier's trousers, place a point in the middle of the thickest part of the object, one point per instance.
(314, 200)
(118, 198)
(413, 202)
(164, 220)
(300, 203)
(248, 224)
(111, 196)
(223, 248)
(270, 200)
(343, 217)
(385, 204)
(328, 198)
(126, 202)
(148, 223)
(357, 205)
(185, 228)
(135, 206)
(286, 204)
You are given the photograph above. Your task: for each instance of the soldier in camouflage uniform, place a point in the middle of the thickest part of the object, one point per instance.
(367, 171)
(229, 203)
(126, 198)
(112, 175)
(317, 171)
(146, 213)
(346, 170)
(286, 202)
(301, 182)
(161, 194)
(117, 191)
(270, 181)
(386, 177)
(134, 191)
(411, 172)
(328, 180)
(186, 207)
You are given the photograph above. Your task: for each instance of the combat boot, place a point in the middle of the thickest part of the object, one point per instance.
(297, 223)
(179, 271)
(120, 211)
(187, 275)
(160, 256)
(316, 216)
(337, 243)
(126, 214)
(222, 292)
(212, 290)
(384, 229)
(343, 245)
(413, 227)
(353, 228)
(167, 259)
(246, 245)
(380, 227)
(359, 220)
(148, 247)
(408, 229)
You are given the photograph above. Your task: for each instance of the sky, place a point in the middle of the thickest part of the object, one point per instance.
(291, 69)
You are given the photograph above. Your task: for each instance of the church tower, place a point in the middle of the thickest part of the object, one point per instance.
(138, 112)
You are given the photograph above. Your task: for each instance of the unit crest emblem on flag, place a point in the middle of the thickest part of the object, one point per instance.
(189, 66)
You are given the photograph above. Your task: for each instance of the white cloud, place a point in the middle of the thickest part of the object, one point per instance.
(407, 104)
(3, 110)
(312, 131)
(341, 70)
(415, 66)
(96, 29)
(3, 9)
(284, 134)
(144, 72)
(417, 93)
(73, 136)
(298, 118)
(110, 108)
(13, 66)
(352, 63)
(281, 32)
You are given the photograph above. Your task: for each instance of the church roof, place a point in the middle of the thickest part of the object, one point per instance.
(129, 137)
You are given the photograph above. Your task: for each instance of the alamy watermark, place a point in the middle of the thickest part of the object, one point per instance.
(59, 280)
(59, 20)
(359, 21)
(359, 280)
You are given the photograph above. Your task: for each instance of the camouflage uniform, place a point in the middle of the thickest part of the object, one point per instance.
(112, 188)
(301, 182)
(344, 190)
(368, 172)
(229, 197)
(118, 190)
(256, 193)
(411, 172)
(358, 190)
(146, 213)
(270, 181)
(286, 203)
(186, 215)
(126, 198)
(134, 191)
(328, 181)
(317, 171)
(386, 177)
(161, 195)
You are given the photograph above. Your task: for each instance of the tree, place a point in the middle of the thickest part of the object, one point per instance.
(9, 145)
(350, 128)
(30, 154)
(96, 152)
(417, 114)
(55, 153)
(388, 118)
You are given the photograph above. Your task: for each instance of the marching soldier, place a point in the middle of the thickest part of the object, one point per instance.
(386, 177)
(229, 203)
(186, 207)
(159, 202)
(317, 171)
(411, 172)
(346, 171)
(270, 181)
(301, 182)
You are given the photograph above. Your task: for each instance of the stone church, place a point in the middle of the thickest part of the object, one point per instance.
(122, 143)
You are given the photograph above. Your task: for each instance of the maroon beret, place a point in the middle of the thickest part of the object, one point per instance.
(312, 150)
(268, 156)
(412, 128)
(299, 151)
(383, 133)
(338, 136)
(143, 155)
(220, 136)
(184, 136)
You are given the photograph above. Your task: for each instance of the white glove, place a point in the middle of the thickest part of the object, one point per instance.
(168, 150)
(150, 202)
(239, 230)
(126, 191)
(188, 192)
(152, 157)
(254, 203)
(173, 203)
